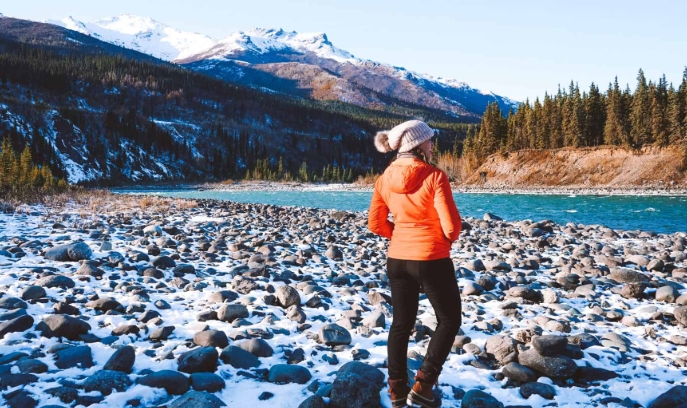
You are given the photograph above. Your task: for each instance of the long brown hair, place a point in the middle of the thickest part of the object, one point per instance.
(416, 152)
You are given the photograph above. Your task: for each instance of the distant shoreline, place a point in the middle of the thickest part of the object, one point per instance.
(457, 188)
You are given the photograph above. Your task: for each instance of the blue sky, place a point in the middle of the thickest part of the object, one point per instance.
(517, 49)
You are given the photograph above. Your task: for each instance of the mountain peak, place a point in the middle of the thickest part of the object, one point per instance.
(151, 37)
(129, 24)
(142, 34)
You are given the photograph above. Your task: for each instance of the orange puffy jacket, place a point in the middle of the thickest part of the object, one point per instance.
(426, 220)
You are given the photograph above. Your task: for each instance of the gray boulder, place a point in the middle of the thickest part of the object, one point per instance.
(56, 281)
(223, 296)
(121, 360)
(79, 251)
(74, 356)
(628, 276)
(545, 391)
(667, 294)
(18, 324)
(105, 304)
(62, 326)
(172, 381)
(503, 348)
(33, 292)
(207, 382)
(229, 313)
(334, 335)
(559, 367)
(366, 371)
(105, 381)
(518, 372)
(549, 345)
(288, 373)
(211, 338)
(257, 347)
(350, 390)
(197, 399)
(479, 399)
(288, 296)
(11, 303)
(674, 397)
(239, 358)
(680, 314)
(202, 359)
(471, 288)
(313, 401)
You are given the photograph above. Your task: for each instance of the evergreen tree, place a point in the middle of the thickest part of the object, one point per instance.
(595, 117)
(675, 116)
(640, 115)
(613, 130)
(25, 165)
(280, 169)
(658, 95)
(492, 133)
(572, 117)
(303, 172)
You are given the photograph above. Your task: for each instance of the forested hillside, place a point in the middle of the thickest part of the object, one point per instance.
(653, 115)
(102, 116)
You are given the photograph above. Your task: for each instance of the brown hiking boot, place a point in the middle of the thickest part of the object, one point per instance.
(398, 390)
(421, 395)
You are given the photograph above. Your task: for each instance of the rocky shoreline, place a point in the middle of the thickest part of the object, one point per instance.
(203, 303)
(462, 188)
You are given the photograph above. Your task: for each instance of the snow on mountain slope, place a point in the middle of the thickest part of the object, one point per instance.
(154, 38)
(262, 40)
(142, 34)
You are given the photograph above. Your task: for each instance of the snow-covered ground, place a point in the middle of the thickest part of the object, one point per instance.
(518, 279)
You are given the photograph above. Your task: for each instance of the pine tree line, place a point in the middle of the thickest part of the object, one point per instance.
(655, 114)
(20, 178)
(263, 170)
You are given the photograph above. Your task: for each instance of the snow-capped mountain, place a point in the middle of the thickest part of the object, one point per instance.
(248, 58)
(142, 34)
(263, 41)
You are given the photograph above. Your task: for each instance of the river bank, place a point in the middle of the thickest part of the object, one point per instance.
(504, 189)
(150, 301)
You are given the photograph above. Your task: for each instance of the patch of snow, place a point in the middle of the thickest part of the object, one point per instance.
(154, 38)
(141, 34)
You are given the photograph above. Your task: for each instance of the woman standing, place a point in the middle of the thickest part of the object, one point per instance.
(426, 223)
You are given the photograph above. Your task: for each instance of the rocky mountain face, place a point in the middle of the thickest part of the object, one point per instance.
(302, 64)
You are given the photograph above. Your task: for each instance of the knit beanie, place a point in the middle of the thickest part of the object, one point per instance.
(404, 137)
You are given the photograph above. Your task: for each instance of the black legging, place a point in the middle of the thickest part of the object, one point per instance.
(407, 279)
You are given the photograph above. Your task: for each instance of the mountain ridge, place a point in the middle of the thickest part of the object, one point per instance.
(272, 46)
(98, 113)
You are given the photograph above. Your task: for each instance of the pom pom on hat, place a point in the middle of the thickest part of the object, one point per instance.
(404, 137)
(382, 142)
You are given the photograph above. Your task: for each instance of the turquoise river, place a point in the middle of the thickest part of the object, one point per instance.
(660, 214)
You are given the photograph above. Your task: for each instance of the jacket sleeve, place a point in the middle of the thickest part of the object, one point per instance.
(449, 216)
(378, 216)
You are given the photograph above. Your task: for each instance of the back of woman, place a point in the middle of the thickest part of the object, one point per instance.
(425, 224)
(426, 219)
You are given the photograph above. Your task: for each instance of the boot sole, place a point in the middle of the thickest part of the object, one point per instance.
(399, 403)
(418, 401)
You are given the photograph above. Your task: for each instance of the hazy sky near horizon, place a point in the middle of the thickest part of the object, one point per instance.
(515, 49)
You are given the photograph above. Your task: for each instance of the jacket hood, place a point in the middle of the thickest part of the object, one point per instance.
(406, 175)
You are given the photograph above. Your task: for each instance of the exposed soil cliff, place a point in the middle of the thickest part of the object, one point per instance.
(590, 167)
